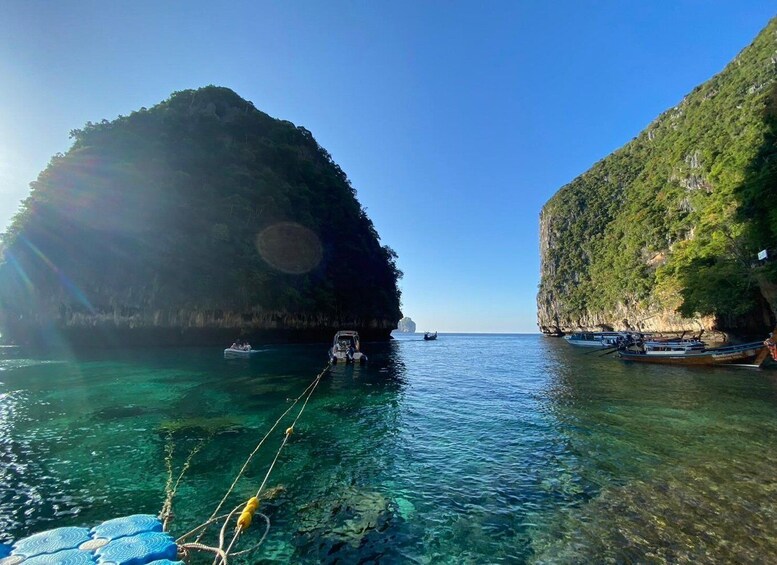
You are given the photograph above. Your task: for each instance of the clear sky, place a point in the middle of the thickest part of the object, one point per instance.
(455, 121)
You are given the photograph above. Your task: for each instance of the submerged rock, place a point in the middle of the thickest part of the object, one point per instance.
(347, 519)
(200, 426)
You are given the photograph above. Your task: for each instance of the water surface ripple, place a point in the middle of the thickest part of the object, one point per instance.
(468, 449)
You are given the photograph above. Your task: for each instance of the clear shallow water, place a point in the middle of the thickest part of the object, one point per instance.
(468, 449)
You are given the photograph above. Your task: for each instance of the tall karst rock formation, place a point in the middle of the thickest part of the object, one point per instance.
(663, 234)
(194, 221)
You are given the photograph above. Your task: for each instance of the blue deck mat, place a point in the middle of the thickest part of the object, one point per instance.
(51, 541)
(139, 549)
(67, 557)
(127, 526)
(133, 540)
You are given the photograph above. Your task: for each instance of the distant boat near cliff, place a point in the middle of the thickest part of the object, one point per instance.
(429, 336)
(595, 339)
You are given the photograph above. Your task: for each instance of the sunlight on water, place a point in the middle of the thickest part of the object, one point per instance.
(468, 449)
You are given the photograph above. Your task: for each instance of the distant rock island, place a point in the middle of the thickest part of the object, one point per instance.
(193, 222)
(406, 325)
(664, 233)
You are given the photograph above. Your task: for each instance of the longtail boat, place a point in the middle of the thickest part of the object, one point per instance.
(746, 354)
(596, 339)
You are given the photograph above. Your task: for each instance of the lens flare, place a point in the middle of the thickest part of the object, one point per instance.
(20, 271)
(290, 248)
(64, 280)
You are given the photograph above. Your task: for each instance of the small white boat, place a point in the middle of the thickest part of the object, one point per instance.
(233, 352)
(345, 348)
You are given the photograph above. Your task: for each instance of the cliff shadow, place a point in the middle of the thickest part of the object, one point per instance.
(734, 285)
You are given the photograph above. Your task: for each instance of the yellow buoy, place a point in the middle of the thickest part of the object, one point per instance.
(247, 515)
(252, 504)
(245, 520)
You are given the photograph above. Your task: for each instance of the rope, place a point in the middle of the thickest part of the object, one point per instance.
(167, 505)
(202, 547)
(290, 429)
(261, 540)
(259, 445)
(171, 489)
(221, 555)
(286, 436)
(200, 527)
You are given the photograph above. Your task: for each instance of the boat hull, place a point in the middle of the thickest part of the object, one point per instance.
(229, 352)
(585, 343)
(596, 339)
(598, 343)
(340, 357)
(345, 348)
(722, 356)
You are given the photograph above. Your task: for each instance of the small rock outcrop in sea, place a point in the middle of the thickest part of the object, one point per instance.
(406, 325)
(199, 220)
(664, 233)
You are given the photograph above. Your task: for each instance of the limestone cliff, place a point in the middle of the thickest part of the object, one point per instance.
(406, 325)
(194, 221)
(663, 233)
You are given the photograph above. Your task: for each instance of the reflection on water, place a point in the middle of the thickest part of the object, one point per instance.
(468, 449)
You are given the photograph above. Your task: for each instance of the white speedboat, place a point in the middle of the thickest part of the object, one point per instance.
(345, 348)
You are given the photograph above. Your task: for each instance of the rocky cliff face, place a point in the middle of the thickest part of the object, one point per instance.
(663, 233)
(193, 222)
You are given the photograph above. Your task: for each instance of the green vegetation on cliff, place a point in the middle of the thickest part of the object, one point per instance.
(673, 220)
(201, 205)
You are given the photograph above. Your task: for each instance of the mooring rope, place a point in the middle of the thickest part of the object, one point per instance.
(249, 508)
(186, 547)
(171, 489)
(245, 518)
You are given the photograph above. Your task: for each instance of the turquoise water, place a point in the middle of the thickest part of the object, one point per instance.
(468, 449)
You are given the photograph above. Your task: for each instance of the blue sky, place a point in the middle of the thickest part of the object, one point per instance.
(456, 121)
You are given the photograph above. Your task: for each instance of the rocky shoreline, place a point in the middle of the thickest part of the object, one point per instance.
(124, 333)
